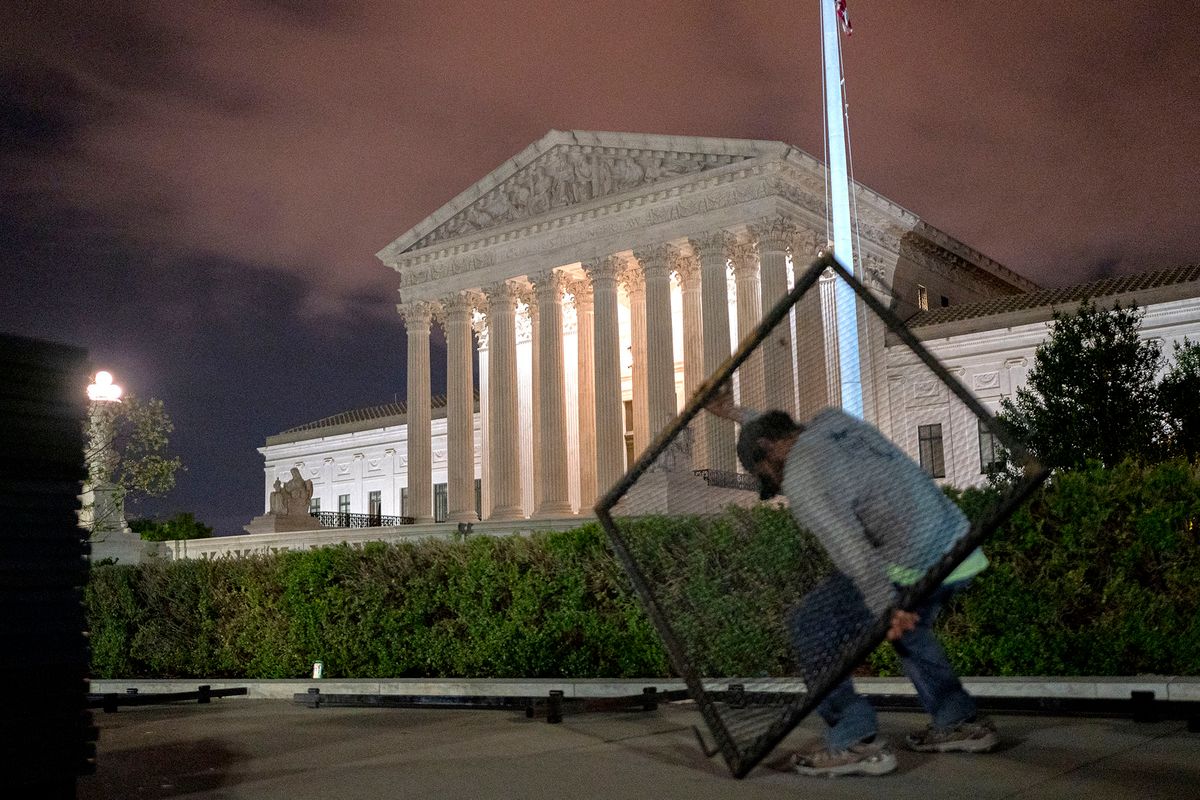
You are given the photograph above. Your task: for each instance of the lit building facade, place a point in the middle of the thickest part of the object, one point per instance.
(598, 278)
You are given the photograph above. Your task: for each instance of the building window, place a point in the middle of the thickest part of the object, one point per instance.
(375, 506)
(441, 503)
(343, 510)
(989, 450)
(933, 460)
(478, 499)
(922, 298)
(314, 505)
(404, 502)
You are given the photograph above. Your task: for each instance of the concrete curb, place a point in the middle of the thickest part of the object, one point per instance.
(1175, 688)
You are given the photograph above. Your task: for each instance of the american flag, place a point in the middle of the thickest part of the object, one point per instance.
(840, 7)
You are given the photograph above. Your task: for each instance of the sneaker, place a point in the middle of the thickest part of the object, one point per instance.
(978, 736)
(859, 759)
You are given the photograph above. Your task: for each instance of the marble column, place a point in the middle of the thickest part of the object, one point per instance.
(460, 404)
(480, 328)
(751, 379)
(528, 296)
(717, 442)
(657, 263)
(552, 453)
(610, 435)
(774, 236)
(812, 362)
(503, 450)
(687, 270)
(581, 291)
(417, 316)
(634, 281)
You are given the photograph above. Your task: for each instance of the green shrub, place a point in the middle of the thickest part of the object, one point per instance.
(1098, 575)
(549, 605)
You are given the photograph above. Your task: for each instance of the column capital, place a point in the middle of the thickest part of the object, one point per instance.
(687, 267)
(632, 277)
(604, 272)
(743, 256)
(523, 293)
(503, 293)
(457, 306)
(548, 286)
(416, 314)
(775, 234)
(655, 259)
(804, 246)
(581, 291)
(712, 245)
(438, 313)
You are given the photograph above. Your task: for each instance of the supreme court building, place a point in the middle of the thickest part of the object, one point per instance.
(600, 277)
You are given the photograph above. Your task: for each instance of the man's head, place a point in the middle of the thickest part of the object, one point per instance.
(763, 447)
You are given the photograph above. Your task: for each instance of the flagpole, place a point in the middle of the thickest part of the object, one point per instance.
(845, 301)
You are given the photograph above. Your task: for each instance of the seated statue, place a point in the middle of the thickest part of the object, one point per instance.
(297, 494)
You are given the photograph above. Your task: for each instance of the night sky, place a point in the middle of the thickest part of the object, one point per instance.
(195, 191)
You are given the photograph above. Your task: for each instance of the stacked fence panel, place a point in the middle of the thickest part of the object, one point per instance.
(47, 738)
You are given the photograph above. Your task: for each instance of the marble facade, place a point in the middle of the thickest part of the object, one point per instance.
(597, 272)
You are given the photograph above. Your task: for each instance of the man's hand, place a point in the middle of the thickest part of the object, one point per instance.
(902, 623)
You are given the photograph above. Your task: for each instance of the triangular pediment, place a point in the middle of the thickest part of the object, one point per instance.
(572, 168)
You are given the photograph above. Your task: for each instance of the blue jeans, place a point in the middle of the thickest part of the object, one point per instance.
(851, 717)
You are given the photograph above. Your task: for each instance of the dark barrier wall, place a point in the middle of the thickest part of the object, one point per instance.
(46, 737)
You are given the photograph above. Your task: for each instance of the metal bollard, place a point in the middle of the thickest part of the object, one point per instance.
(1143, 706)
(649, 698)
(204, 694)
(554, 707)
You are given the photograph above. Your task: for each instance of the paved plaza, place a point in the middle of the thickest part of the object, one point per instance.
(244, 748)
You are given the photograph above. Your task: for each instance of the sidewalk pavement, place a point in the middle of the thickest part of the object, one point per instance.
(246, 748)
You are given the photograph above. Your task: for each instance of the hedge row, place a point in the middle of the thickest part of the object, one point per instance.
(1098, 575)
(543, 606)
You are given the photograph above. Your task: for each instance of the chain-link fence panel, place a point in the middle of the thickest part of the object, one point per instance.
(770, 533)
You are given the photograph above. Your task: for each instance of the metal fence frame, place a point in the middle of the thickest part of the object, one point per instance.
(743, 759)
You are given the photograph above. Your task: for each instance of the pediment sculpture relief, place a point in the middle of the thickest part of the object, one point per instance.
(567, 176)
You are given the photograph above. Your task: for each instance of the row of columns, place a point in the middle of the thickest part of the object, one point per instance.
(760, 272)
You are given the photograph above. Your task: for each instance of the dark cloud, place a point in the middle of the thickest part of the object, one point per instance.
(42, 110)
(317, 14)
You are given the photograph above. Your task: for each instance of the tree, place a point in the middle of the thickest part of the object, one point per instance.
(127, 459)
(183, 525)
(1179, 397)
(1091, 392)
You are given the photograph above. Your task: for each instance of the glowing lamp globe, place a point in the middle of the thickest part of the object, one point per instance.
(103, 390)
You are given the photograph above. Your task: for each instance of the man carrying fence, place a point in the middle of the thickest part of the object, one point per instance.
(884, 523)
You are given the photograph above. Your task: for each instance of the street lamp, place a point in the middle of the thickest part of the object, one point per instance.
(103, 390)
(103, 510)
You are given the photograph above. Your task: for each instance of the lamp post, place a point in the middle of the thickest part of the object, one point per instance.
(103, 509)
